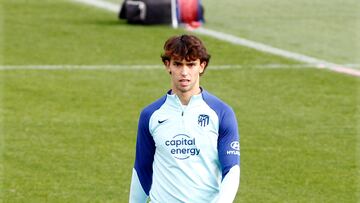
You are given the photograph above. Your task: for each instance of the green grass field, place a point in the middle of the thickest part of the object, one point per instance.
(68, 135)
(324, 29)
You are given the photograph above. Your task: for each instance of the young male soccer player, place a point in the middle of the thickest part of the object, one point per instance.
(187, 146)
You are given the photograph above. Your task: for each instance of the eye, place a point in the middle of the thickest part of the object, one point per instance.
(177, 64)
(191, 64)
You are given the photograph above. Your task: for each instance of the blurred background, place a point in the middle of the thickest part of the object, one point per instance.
(74, 78)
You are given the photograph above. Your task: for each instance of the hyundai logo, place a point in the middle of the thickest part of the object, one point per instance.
(235, 145)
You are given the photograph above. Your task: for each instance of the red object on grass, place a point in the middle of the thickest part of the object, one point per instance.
(188, 10)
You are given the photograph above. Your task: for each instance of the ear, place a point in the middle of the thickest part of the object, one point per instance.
(202, 66)
(167, 65)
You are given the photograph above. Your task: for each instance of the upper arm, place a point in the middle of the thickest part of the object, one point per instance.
(228, 141)
(145, 150)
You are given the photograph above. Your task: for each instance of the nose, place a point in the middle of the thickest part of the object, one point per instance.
(184, 70)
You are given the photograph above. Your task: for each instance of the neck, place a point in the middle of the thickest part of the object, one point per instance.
(186, 96)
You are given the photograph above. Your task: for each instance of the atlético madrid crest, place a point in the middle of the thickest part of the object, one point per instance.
(203, 120)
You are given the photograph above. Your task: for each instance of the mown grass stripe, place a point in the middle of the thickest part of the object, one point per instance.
(150, 66)
(315, 62)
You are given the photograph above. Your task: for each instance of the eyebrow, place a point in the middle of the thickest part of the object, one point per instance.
(188, 63)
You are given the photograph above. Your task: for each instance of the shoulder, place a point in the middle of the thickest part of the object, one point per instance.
(219, 106)
(151, 108)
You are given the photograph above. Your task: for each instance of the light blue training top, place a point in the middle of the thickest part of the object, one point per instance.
(184, 152)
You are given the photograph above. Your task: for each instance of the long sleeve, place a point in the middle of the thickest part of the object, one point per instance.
(229, 155)
(228, 147)
(142, 173)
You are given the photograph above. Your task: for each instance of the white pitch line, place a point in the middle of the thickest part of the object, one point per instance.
(353, 65)
(317, 63)
(101, 4)
(78, 67)
(150, 67)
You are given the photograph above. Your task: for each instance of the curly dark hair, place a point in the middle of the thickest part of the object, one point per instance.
(187, 47)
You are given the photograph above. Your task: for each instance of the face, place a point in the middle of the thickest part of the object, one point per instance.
(185, 75)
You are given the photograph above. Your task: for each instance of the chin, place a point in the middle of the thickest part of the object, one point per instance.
(184, 89)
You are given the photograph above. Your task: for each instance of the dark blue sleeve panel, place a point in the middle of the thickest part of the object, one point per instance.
(145, 146)
(228, 141)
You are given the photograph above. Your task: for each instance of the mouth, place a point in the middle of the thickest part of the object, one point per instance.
(184, 82)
